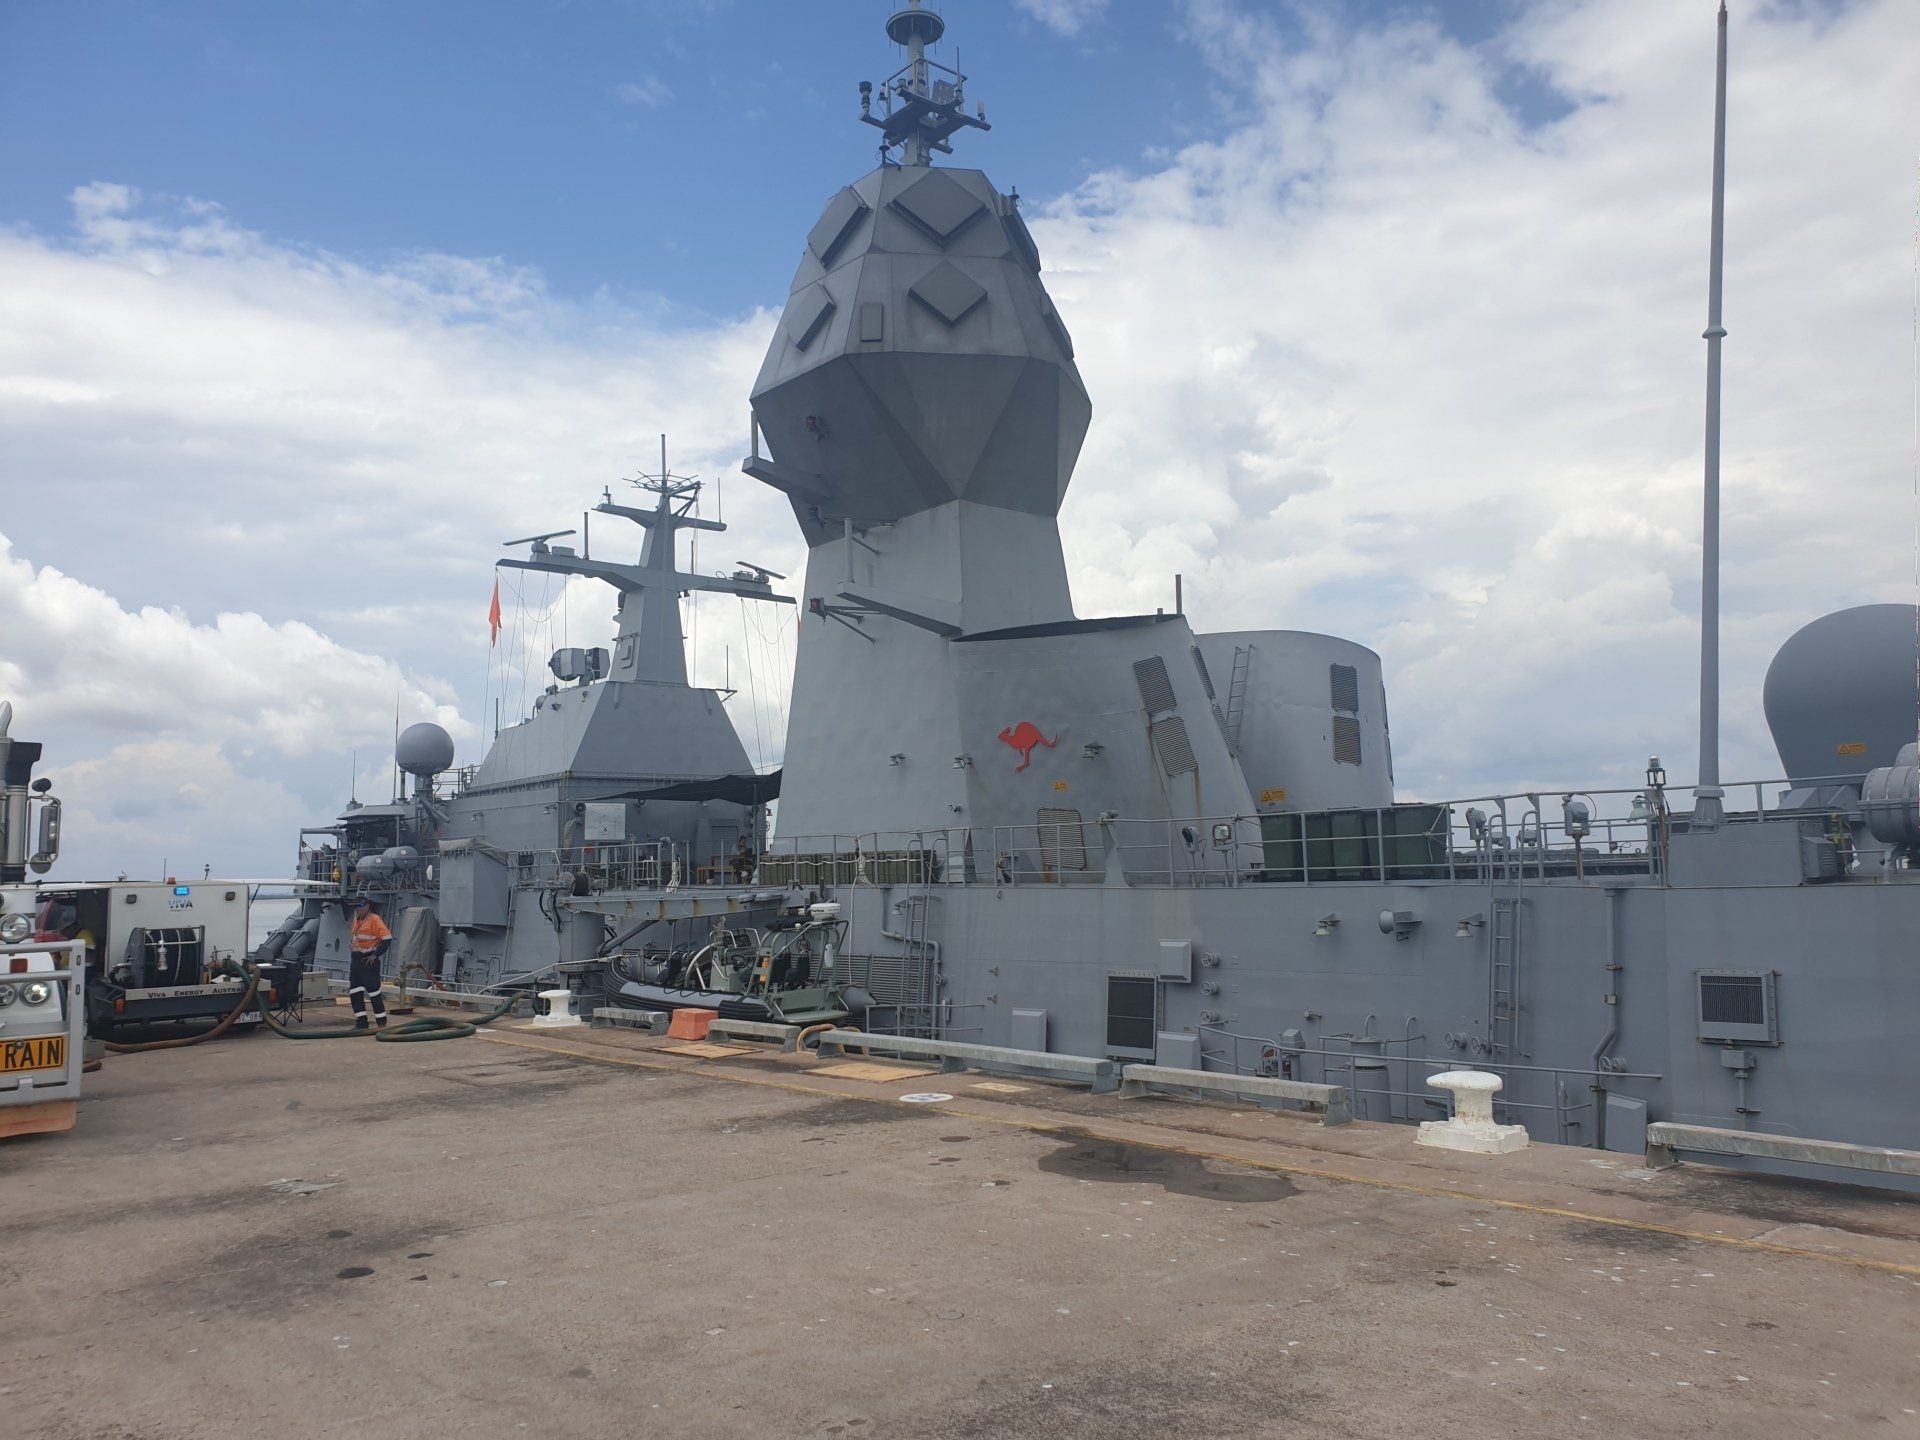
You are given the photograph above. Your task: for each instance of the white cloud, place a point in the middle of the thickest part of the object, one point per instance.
(1378, 360)
(1064, 17)
(265, 484)
(1384, 361)
(649, 90)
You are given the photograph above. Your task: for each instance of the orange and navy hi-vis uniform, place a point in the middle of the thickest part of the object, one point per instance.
(370, 941)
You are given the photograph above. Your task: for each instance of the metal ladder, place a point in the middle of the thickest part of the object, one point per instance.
(1237, 694)
(1503, 983)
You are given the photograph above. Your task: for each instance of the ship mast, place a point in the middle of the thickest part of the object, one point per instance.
(650, 646)
(1707, 810)
(924, 102)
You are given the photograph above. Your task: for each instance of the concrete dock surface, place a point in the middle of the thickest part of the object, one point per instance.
(587, 1233)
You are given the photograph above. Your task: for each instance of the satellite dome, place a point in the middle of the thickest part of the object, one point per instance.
(1840, 694)
(424, 749)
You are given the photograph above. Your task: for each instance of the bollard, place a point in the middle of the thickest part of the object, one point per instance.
(1472, 1129)
(559, 1010)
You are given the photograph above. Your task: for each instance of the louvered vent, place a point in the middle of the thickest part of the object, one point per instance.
(1344, 682)
(1156, 690)
(1737, 1005)
(1206, 679)
(1346, 740)
(1132, 1014)
(1063, 839)
(1175, 750)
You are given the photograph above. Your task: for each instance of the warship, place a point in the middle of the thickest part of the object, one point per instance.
(1129, 836)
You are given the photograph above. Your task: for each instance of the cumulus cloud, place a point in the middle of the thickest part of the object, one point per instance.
(1065, 17)
(1386, 360)
(253, 491)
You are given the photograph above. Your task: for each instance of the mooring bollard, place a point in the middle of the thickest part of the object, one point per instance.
(1472, 1128)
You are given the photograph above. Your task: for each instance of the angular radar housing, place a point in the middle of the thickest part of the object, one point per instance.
(920, 360)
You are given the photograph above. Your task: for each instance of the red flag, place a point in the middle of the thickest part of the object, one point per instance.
(493, 612)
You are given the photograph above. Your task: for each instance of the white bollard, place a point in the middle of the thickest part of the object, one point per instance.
(1472, 1128)
(559, 1010)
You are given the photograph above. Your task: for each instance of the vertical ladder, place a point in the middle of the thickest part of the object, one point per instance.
(1237, 694)
(1503, 983)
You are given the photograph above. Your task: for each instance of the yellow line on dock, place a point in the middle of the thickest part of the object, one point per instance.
(1255, 1162)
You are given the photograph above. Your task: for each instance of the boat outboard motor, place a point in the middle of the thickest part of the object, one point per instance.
(1890, 802)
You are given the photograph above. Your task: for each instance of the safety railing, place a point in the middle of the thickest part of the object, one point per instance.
(1388, 1081)
(1605, 835)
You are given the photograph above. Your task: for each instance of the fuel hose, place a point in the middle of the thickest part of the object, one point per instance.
(421, 1027)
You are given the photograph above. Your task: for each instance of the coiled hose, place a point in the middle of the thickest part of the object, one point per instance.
(421, 1027)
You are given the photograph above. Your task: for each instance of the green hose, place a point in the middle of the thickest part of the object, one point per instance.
(421, 1027)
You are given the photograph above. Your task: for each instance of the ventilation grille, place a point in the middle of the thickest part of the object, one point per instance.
(1344, 683)
(1132, 1013)
(1737, 1006)
(1346, 740)
(1175, 750)
(1733, 1000)
(1156, 690)
(1063, 839)
(1200, 664)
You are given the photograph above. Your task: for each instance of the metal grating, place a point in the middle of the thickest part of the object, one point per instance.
(1733, 1000)
(1063, 839)
(1170, 742)
(1346, 740)
(1132, 1014)
(1206, 676)
(1343, 681)
(1156, 689)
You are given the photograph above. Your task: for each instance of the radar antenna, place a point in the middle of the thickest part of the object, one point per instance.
(924, 103)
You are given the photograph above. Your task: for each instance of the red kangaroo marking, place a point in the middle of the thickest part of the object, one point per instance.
(1023, 737)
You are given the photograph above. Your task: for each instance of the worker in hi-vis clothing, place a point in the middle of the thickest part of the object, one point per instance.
(370, 941)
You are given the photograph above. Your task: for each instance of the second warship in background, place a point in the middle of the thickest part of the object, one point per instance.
(1127, 837)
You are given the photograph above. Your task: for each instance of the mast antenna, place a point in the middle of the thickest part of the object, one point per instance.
(1707, 810)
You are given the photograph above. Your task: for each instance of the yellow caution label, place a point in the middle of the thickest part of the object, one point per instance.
(1852, 747)
(1274, 797)
(1059, 784)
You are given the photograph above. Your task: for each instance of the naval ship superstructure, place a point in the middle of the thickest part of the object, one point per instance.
(623, 774)
(1129, 837)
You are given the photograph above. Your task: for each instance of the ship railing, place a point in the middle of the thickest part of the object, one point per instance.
(1522, 838)
(591, 868)
(931, 1020)
(1394, 1084)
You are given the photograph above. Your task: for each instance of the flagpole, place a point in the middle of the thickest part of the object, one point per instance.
(1707, 810)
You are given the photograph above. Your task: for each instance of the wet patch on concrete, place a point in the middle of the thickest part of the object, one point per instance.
(268, 1275)
(1791, 1200)
(1113, 1160)
(829, 1115)
(1624, 1237)
(353, 1272)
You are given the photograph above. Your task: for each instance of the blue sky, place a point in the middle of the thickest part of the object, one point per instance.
(653, 147)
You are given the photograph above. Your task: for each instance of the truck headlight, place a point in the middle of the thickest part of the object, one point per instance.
(38, 993)
(6, 996)
(15, 928)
